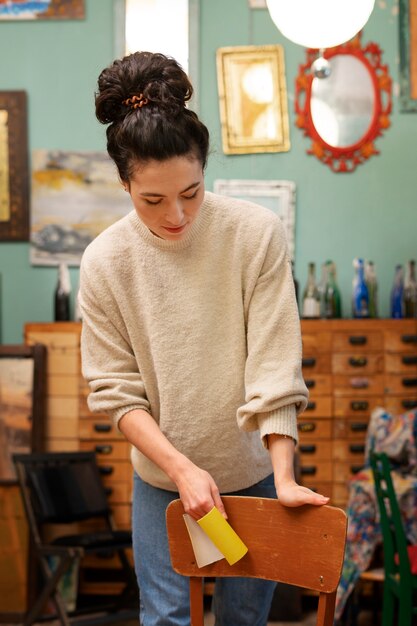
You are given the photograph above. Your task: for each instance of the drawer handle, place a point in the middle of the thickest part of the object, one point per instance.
(307, 427)
(409, 338)
(362, 405)
(310, 362)
(310, 383)
(358, 361)
(409, 360)
(308, 448)
(358, 340)
(310, 406)
(358, 427)
(103, 449)
(310, 470)
(409, 404)
(357, 448)
(409, 382)
(356, 468)
(359, 383)
(106, 470)
(109, 491)
(102, 428)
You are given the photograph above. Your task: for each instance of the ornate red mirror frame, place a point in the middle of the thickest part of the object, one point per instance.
(346, 158)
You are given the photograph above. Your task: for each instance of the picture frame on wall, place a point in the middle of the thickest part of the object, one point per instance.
(42, 10)
(408, 55)
(14, 168)
(253, 99)
(276, 195)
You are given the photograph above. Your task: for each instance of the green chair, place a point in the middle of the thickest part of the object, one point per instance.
(400, 584)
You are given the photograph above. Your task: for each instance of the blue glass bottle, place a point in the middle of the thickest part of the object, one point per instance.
(360, 299)
(397, 293)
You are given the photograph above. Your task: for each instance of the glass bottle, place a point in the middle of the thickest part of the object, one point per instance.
(410, 290)
(62, 295)
(332, 298)
(372, 284)
(360, 296)
(322, 286)
(295, 281)
(397, 293)
(311, 296)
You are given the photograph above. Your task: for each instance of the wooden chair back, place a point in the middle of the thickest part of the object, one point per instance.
(301, 546)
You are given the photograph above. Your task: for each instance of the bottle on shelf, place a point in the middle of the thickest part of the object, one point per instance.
(410, 290)
(360, 294)
(62, 295)
(372, 284)
(332, 297)
(295, 281)
(311, 295)
(322, 286)
(397, 293)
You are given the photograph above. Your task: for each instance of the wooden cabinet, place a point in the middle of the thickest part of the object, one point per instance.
(351, 367)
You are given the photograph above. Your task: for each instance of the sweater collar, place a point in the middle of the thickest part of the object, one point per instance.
(197, 227)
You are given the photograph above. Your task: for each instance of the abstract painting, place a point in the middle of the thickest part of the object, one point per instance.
(41, 9)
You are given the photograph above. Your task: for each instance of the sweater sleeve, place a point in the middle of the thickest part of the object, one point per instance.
(275, 391)
(108, 363)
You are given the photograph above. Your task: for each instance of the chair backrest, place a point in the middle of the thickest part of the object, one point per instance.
(396, 559)
(301, 546)
(62, 487)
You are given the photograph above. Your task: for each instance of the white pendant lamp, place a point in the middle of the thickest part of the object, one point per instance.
(320, 23)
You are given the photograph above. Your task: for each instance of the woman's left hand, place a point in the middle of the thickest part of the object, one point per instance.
(291, 494)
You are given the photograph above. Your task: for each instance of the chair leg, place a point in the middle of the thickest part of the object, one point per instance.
(388, 606)
(196, 601)
(325, 611)
(50, 591)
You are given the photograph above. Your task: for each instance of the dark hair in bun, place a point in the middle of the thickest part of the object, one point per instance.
(142, 97)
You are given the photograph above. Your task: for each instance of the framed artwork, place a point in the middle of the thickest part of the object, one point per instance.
(277, 195)
(22, 403)
(408, 55)
(253, 99)
(14, 171)
(42, 10)
(75, 196)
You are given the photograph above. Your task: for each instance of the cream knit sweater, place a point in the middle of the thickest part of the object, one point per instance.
(203, 333)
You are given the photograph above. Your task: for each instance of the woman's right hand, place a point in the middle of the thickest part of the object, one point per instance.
(198, 491)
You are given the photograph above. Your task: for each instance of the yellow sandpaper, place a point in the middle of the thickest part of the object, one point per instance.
(223, 536)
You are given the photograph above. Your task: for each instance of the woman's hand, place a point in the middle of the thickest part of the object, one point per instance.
(291, 494)
(198, 491)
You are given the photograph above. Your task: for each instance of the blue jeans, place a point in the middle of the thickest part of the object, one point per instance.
(164, 595)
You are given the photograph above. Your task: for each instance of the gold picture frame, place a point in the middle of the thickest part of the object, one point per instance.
(253, 99)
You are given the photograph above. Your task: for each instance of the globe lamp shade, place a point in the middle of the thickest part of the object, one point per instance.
(320, 23)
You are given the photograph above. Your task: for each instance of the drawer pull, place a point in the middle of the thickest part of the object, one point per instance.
(362, 405)
(310, 406)
(356, 468)
(409, 382)
(308, 448)
(106, 470)
(309, 362)
(357, 448)
(309, 470)
(310, 383)
(409, 404)
(306, 427)
(102, 428)
(358, 340)
(103, 449)
(359, 383)
(409, 360)
(109, 491)
(358, 427)
(409, 338)
(358, 361)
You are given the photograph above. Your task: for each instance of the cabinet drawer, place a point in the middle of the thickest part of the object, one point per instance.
(358, 364)
(111, 450)
(344, 470)
(317, 342)
(114, 471)
(323, 487)
(62, 406)
(401, 363)
(118, 492)
(353, 452)
(350, 428)
(100, 428)
(404, 341)
(54, 340)
(320, 406)
(358, 342)
(401, 404)
(372, 385)
(318, 471)
(62, 428)
(319, 384)
(316, 364)
(340, 494)
(62, 445)
(313, 428)
(356, 405)
(401, 384)
(63, 362)
(313, 451)
(122, 514)
(62, 385)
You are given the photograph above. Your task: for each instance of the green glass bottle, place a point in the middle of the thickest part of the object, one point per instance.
(332, 297)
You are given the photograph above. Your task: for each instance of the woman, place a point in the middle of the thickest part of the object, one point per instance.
(191, 338)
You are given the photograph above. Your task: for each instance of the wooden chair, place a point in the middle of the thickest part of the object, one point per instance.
(301, 546)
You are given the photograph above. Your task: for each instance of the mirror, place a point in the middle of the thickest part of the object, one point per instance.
(347, 110)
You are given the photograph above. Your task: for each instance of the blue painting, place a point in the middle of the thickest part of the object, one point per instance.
(41, 9)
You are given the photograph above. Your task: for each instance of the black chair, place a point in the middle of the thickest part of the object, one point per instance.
(66, 488)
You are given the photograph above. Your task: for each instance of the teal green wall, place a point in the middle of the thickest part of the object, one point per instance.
(369, 213)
